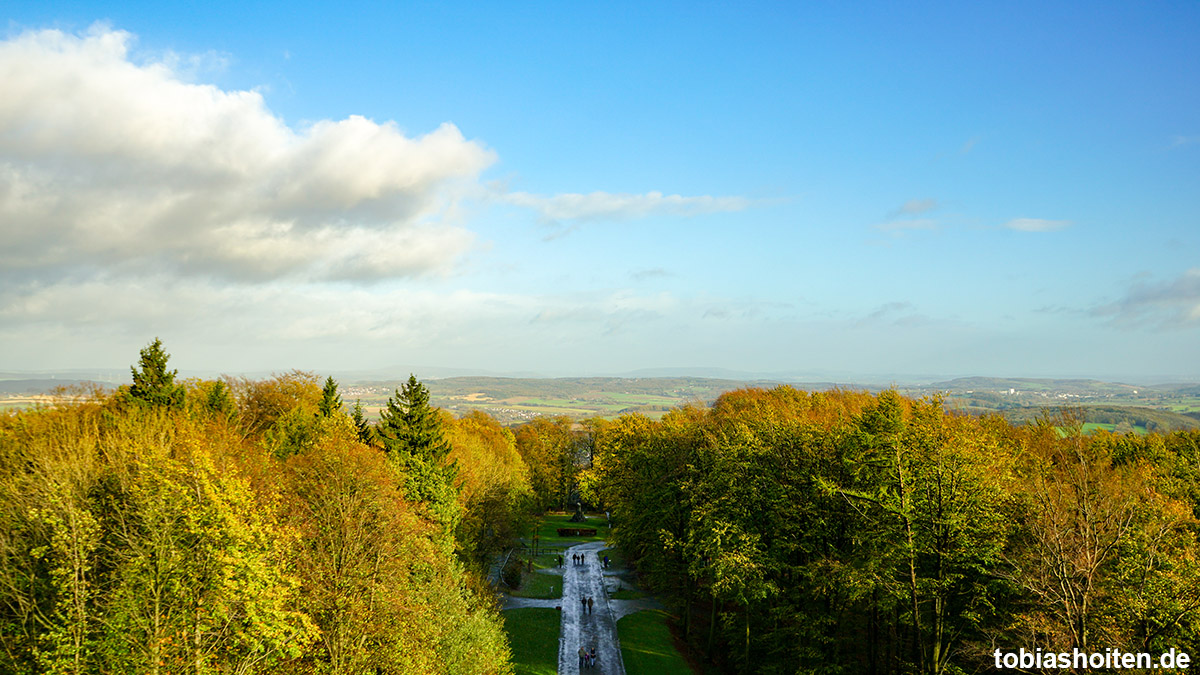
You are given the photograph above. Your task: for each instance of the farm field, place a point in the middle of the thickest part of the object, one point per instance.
(516, 400)
(512, 401)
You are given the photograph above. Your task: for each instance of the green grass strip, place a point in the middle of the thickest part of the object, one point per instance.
(646, 645)
(536, 585)
(533, 634)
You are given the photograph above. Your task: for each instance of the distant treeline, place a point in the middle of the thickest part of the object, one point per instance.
(1148, 418)
(845, 532)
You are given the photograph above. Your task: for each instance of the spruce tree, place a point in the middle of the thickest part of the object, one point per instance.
(366, 434)
(153, 384)
(410, 426)
(411, 432)
(331, 402)
(217, 400)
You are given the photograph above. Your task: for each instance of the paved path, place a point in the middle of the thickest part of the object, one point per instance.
(598, 629)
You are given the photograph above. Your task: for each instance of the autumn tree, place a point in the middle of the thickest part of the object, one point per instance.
(552, 451)
(492, 482)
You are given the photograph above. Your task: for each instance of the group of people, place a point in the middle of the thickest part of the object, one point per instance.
(578, 559)
(587, 604)
(587, 658)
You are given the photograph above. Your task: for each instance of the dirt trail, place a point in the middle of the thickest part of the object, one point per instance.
(598, 629)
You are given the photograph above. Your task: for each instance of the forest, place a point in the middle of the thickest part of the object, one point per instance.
(268, 526)
(235, 526)
(842, 532)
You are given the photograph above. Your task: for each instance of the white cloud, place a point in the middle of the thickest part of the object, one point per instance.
(111, 164)
(1036, 224)
(610, 206)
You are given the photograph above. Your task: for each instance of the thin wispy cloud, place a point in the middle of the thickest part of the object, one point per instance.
(896, 313)
(900, 226)
(1171, 303)
(620, 206)
(652, 273)
(914, 207)
(1180, 141)
(905, 218)
(1036, 224)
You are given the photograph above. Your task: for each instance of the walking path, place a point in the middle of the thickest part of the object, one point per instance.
(598, 629)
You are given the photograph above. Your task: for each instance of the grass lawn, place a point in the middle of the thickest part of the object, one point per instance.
(1090, 427)
(616, 561)
(533, 634)
(627, 594)
(535, 585)
(548, 534)
(646, 644)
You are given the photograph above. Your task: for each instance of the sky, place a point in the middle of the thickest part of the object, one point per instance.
(852, 191)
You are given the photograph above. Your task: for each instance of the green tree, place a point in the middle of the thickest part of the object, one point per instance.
(153, 384)
(218, 401)
(410, 426)
(412, 435)
(331, 402)
(366, 435)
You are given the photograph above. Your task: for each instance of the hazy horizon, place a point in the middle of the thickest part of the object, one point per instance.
(875, 191)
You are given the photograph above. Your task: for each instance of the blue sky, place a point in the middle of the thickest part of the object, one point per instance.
(856, 191)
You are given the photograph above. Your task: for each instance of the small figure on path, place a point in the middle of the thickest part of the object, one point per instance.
(583, 603)
(592, 656)
(589, 605)
(605, 562)
(583, 657)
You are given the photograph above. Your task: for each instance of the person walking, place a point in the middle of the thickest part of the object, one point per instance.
(592, 656)
(583, 656)
(583, 603)
(589, 605)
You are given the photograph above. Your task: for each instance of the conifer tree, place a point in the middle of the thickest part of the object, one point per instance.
(410, 426)
(331, 401)
(366, 435)
(218, 402)
(153, 384)
(412, 435)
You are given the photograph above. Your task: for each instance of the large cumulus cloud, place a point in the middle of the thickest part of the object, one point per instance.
(114, 165)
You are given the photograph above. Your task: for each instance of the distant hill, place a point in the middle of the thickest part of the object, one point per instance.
(44, 386)
(1030, 384)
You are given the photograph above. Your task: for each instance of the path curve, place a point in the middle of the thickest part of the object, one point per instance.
(598, 629)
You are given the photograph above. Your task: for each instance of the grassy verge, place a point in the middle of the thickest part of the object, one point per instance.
(647, 646)
(533, 634)
(627, 594)
(535, 585)
(616, 561)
